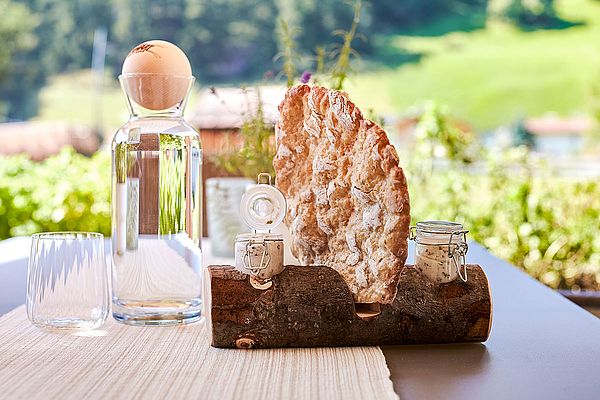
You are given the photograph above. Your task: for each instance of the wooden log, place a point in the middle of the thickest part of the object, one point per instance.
(313, 307)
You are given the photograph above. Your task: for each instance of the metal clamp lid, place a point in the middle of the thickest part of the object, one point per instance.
(263, 206)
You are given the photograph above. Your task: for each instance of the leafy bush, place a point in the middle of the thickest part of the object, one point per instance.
(549, 226)
(513, 204)
(65, 192)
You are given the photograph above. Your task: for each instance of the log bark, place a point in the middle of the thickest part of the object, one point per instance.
(313, 307)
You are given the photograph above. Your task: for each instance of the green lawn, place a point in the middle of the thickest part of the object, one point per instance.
(492, 76)
(70, 97)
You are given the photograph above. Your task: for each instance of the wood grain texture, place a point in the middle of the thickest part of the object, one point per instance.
(312, 306)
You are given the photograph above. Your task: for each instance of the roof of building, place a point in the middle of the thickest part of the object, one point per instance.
(41, 139)
(227, 108)
(557, 126)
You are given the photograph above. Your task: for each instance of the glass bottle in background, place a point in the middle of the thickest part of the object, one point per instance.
(223, 197)
(156, 208)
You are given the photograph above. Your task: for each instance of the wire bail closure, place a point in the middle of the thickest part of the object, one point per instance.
(461, 249)
(265, 257)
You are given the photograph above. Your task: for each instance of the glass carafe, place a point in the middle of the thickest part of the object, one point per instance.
(156, 206)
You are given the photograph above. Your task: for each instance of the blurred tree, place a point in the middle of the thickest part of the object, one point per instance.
(532, 14)
(229, 39)
(222, 38)
(136, 21)
(16, 36)
(66, 32)
(14, 33)
(392, 15)
(226, 40)
(522, 137)
(60, 38)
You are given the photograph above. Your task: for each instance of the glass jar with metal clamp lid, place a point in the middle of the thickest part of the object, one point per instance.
(260, 254)
(441, 249)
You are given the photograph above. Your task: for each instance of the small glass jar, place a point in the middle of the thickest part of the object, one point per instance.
(260, 254)
(441, 248)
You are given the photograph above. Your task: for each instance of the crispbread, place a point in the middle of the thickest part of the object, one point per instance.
(348, 205)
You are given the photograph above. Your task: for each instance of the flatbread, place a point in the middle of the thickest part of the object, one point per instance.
(348, 205)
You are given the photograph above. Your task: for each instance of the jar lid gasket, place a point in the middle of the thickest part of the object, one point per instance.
(437, 232)
(439, 227)
(268, 237)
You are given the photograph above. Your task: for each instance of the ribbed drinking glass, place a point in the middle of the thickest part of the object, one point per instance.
(67, 281)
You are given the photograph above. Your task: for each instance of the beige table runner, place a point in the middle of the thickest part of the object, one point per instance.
(120, 361)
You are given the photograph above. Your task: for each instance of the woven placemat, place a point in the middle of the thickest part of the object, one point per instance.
(119, 361)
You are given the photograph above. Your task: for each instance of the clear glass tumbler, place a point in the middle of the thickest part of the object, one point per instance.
(67, 281)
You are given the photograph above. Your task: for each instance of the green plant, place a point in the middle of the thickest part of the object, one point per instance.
(342, 67)
(333, 66)
(548, 226)
(517, 208)
(288, 52)
(122, 161)
(65, 192)
(257, 150)
(172, 184)
(439, 136)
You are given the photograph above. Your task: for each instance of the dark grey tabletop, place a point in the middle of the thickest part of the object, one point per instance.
(542, 346)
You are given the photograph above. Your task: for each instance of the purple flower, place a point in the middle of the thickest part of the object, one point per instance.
(306, 75)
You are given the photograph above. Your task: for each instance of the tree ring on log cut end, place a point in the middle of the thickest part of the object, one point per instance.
(244, 343)
(260, 285)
